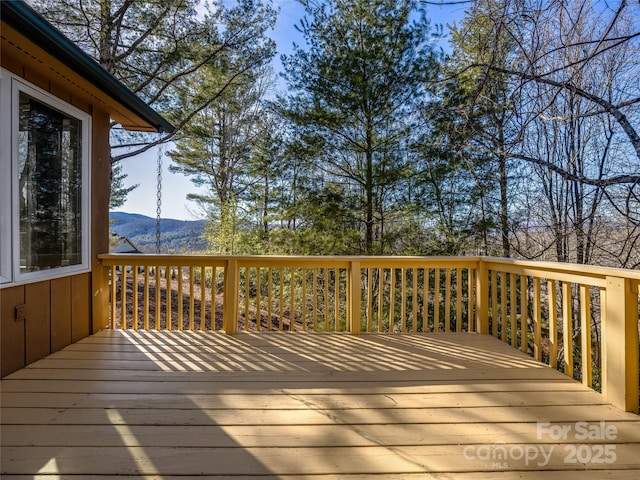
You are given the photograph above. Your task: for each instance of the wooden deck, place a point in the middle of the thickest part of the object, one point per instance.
(315, 406)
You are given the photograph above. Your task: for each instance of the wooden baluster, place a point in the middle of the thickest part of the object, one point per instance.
(403, 297)
(380, 298)
(567, 329)
(134, 319)
(214, 292)
(304, 299)
(203, 298)
(258, 299)
(494, 303)
(355, 305)
(114, 295)
(553, 324)
(537, 320)
(369, 297)
(425, 302)
(145, 304)
(326, 299)
(471, 326)
(281, 302)
(269, 298)
(169, 308)
(513, 310)
(123, 298)
(158, 277)
(524, 313)
(192, 299)
(604, 374)
(314, 297)
(436, 301)
(292, 312)
(447, 300)
(180, 298)
(458, 300)
(503, 306)
(336, 298)
(246, 299)
(585, 327)
(392, 301)
(414, 298)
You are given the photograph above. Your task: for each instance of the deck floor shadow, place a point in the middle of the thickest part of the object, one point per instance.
(169, 405)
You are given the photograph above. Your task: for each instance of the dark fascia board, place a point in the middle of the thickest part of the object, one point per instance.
(32, 25)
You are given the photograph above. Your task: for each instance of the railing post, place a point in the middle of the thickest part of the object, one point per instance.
(100, 301)
(620, 335)
(230, 297)
(482, 299)
(355, 297)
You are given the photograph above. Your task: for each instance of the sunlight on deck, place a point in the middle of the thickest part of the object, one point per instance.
(157, 404)
(197, 351)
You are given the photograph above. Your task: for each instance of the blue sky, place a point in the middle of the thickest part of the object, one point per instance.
(141, 169)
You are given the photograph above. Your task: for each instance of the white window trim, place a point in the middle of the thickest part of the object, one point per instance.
(6, 174)
(10, 88)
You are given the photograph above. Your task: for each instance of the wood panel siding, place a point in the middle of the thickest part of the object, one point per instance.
(38, 322)
(100, 192)
(57, 313)
(60, 313)
(12, 335)
(80, 311)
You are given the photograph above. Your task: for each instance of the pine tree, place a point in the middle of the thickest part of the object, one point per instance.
(355, 92)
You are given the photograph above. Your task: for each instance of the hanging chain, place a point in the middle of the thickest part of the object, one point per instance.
(159, 193)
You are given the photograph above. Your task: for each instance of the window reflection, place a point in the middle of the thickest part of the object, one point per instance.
(49, 167)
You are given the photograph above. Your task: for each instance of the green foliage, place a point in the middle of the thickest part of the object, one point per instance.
(380, 145)
(354, 94)
(218, 146)
(327, 226)
(453, 181)
(119, 191)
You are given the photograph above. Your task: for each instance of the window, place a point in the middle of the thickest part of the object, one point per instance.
(45, 169)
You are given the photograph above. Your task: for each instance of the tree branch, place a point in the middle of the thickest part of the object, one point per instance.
(192, 114)
(599, 182)
(610, 108)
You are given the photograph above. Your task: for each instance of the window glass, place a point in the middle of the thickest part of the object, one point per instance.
(50, 186)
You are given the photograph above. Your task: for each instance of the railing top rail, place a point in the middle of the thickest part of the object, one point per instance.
(572, 268)
(294, 257)
(298, 260)
(530, 266)
(111, 259)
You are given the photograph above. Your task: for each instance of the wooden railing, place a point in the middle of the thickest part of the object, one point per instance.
(581, 320)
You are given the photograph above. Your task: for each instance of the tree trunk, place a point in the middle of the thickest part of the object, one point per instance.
(504, 201)
(106, 32)
(265, 208)
(368, 238)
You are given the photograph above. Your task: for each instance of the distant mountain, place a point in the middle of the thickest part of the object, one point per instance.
(181, 236)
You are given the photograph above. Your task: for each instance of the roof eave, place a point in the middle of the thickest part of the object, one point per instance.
(25, 19)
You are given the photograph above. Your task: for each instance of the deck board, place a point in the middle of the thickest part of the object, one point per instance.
(315, 406)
